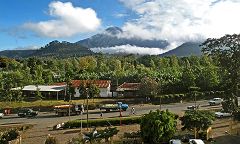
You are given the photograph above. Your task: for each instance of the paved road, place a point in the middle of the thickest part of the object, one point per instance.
(45, 121)
(49, 119)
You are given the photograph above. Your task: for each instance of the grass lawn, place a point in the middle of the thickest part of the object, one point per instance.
(48, 103)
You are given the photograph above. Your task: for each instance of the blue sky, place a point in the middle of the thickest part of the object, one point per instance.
(34, 23)
(14, 13)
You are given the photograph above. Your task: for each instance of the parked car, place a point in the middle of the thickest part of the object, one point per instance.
(175, 141)
(27, 112)
(1, 115)
(196, 141)
(215, 101)
(222, 114)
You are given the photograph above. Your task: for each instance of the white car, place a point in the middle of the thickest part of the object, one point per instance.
(196, 141)
(222, 114)
(175, 141)
(215, 101)
(1, 115)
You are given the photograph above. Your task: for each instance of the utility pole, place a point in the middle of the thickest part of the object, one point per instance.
(160, 101)
(87, 110)
(120, 115)
(69, 108)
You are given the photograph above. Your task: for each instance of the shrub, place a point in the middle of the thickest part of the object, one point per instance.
(51, 140)
(8, 136)
(132, 134)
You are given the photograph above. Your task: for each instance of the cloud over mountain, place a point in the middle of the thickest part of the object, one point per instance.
(128, 49)
(179, 21)
(67, 21)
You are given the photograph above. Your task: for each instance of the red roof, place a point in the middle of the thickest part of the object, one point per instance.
(98, 83)
(128, 86)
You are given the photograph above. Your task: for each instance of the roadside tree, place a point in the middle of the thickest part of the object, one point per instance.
(158, 126)
(198, 120)
(148, 87)
(226, 52)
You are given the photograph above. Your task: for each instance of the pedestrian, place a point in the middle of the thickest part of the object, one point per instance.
(101, 115)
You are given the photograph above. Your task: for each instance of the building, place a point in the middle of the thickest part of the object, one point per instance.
(128, 89)
(103, 85)
(47, 91)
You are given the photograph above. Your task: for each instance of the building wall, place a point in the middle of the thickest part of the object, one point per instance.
(104, 92)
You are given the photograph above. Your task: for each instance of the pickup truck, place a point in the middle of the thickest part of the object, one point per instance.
(27, 112)
(63, 110)
(117, 106)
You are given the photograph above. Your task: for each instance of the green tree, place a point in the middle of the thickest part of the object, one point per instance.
(158, 126)
(83, 90)
(148, 87)
(188, 77)
(70, 90)
(93, 91)
(199, 120)
(226, 52)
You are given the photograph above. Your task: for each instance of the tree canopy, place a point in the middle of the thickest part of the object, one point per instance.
(201, 120)
(158, 126)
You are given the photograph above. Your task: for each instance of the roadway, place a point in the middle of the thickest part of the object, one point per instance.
(49, 118)
(45, 121)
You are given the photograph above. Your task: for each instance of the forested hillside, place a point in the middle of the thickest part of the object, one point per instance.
(53, 49)
(175, 74)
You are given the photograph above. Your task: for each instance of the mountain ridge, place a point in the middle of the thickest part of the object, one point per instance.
(108, 38)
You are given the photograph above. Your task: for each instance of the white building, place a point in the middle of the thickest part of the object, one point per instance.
(103, 85)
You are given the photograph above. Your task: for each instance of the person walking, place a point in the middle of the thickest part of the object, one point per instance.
(101, 115)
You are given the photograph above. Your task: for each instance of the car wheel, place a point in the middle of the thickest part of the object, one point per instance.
(221, 116)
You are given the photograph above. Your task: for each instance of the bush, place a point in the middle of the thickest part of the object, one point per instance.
(51, 140)
(8, 136)
(102, 122)
(132, 134)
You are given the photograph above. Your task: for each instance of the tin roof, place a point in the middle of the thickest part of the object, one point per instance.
(128, 86)
(42, 88)
(98, 83)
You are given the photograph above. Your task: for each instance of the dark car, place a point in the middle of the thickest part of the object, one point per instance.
(27, 112)
(193, 107)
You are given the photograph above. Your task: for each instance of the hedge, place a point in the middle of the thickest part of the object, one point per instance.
(102, 122)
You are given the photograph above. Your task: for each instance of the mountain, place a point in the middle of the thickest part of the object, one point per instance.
(62, 49)
(16, 53)
(186, 49)
(54, 49)
(111, 37)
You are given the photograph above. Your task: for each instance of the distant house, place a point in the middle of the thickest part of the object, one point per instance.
(128, 89)
(103, 85)
(48, 91)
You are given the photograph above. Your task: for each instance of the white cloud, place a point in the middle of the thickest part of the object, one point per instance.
(179, 21)
(68, 21)
(128, 49)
